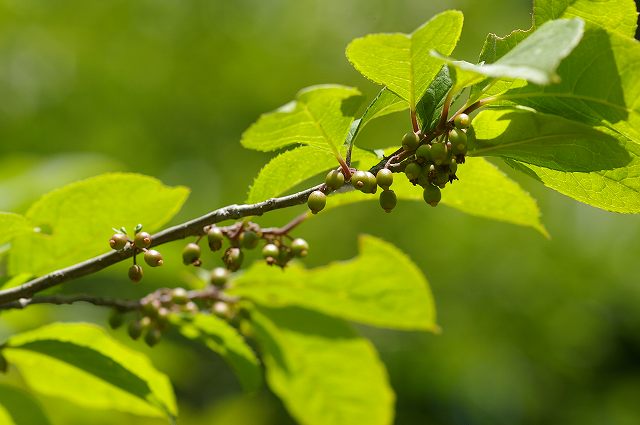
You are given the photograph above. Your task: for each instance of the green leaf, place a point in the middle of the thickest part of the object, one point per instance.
(223, 339)
(380, 287)
(83, 364)
(430, 106)
(323, 372)
(545, 140)
(536, 58)
(614, 15)
(76, 221)
(12, 225)
(483, 191)
(319, 117)
(294, 166)
(19, 408)
(402, 61)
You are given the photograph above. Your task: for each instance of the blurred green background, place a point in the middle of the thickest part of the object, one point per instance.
(535, 330)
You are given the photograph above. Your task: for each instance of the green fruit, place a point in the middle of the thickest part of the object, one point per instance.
(432, 195)
(249, 239)
(442, 176)
(153, 258)
(334, 179)
(135, 273)
(424, 153)
(220, 309)
(191, 254)
(384, 178)
(412, 170)
(137, 327)
(116, 318)
(370, 184)
(388, 200)
(299, 247)
(410, 141)
(162, 317)
(439, 153)
(458, 139)
(316, 201)
(179, 296)
(359, 179)
(215, 237)
(270, 250)
(462, 121)
(453, 167)
(233, 258)
(152, 337)
(219, 277)
(118, 241)
(425, 177)
(142, 240)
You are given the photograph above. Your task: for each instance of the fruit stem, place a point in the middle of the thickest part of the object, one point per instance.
(345, 168)
(414, 121)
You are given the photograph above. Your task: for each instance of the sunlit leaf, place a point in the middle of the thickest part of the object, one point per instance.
(401, 62)
(223, 339)
(430, 106)
(380, 287)
(83, 364)
(12, 225)
(75, 222)
(323, 372)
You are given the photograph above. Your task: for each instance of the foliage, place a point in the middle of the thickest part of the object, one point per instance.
(545, 112)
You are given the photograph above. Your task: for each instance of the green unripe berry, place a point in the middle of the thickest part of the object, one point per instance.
(424, 153)
(191, 254)
(219, 277)
(316, 201)
(220, 309)
(458, 139)
(179, 296)
(410, 141)
(299, 247)
(425, 177)
(462, 121)
(162, 317)
(334, 179)
(442, 176)
(152, 337)
(116, 318)
(370, 184)
(118, 241)
(233, 258)
(153, 258)
(388, 200)
(270, 250)
(215, 238)
(384, 178)
(412, 170)
(135, 273)
(432, 195)
(142, 240)
(359, 179)
(249, 239)
(439, 153)
(137, 327)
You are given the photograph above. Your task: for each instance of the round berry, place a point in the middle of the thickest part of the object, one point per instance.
(220, 309)
(370, 184)
(388, 200)
(153, 336)
(410, 141)
(215, 238)
(116, 318)
(270, 250)
(316, 201)
(299, 247)
(412, 170)
(359, 179)
(249, 239)
(233, 258)
(137, 327)
(153, 258)
(458, 140)
(425, 176)
(142, 240)
(179, 296)
(118, 241)
(135, 273)
(432, 195)
(191, 254)
(439, 153)
(424, 153)
(462, 121)
(334, 179)
(384, 178)
(219, 277)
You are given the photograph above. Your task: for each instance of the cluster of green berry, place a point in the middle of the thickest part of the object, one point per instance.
(245, 235)
(141, 243)
(434, 164)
